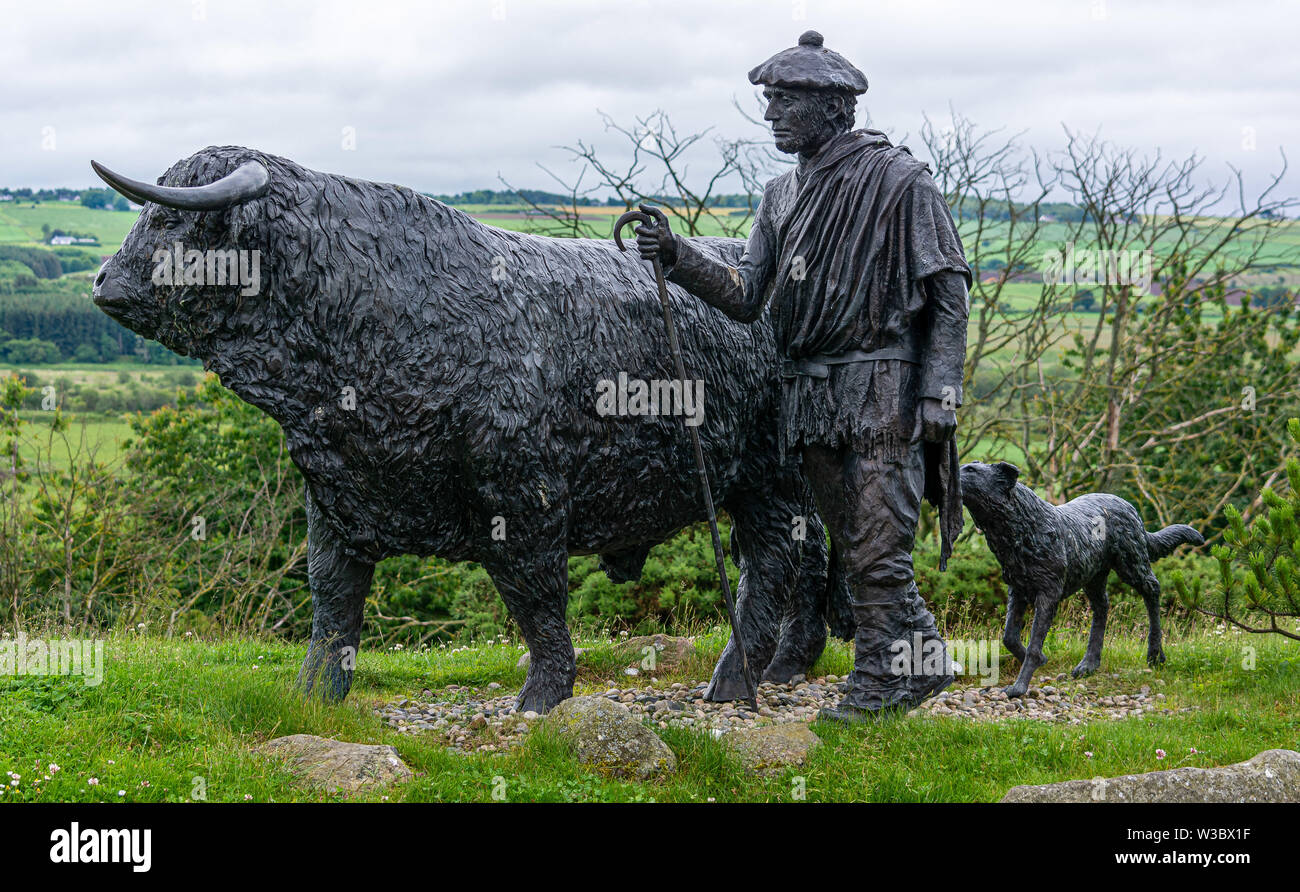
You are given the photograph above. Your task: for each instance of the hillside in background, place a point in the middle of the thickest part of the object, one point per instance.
(46, 317)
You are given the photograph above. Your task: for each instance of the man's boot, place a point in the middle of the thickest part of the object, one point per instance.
(899, 660)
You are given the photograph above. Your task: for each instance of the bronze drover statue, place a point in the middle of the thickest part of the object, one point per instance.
(858, 254)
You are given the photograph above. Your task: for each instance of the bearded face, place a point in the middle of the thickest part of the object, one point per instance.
(803, 120)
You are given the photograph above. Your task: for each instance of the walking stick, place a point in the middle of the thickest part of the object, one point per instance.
(654, 217)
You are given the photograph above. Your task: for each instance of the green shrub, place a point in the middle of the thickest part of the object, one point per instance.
(30, 350)
(1258, 584)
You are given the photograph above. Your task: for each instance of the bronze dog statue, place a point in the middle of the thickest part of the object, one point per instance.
(1048, 552)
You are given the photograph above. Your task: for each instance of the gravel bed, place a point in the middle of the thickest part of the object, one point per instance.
(485, 719)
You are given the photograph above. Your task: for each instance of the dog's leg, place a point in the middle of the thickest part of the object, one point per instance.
(1133, 566)
(1015, 622)
(1149, 586)
(1095, 589)
(1044, 612)
(1137, 573)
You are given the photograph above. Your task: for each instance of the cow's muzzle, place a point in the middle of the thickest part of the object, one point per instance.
(108, 294)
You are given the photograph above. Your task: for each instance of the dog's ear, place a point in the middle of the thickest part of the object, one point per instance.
(1007, 473)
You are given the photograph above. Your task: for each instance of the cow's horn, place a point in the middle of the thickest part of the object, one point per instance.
(246, 182)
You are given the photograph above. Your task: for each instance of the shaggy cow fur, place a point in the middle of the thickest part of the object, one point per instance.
(1048, 552)
(474, 357)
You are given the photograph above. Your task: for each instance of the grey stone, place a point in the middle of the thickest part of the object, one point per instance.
(1271, 776)
(770, 749)
(336, 765)
(606, 736)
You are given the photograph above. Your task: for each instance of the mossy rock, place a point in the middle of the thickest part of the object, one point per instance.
(606, 736)
(770, 749)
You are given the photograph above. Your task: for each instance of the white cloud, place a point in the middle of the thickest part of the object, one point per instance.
(445, 95)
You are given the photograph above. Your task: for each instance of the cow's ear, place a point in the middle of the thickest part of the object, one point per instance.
(1007, 473)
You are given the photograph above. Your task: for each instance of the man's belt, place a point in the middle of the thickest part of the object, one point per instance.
(818, 366)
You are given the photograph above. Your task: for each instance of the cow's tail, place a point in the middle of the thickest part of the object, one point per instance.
(1164, 542)
(839, 606)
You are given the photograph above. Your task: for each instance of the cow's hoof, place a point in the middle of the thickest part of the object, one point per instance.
(1016, 690)
(782, 673)
(539, 705)
(324, 678)
(724, 690)
(1084, 668)
(1156, 658)
(539, 701)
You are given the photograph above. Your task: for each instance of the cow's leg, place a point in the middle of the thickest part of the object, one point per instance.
(525, 530)
(535, 588)
(767, 555)
(803, 629)
(339, 585)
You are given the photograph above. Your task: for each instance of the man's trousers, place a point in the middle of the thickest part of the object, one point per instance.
(871, 508)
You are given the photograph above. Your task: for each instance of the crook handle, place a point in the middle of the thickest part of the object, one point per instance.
(649, 215)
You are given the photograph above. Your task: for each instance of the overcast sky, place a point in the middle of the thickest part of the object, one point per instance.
(444, 96)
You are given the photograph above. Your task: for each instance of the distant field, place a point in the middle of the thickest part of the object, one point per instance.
(21, 223)
(102, 434)
(1281, 249)
(521, 219)
(100, 374)
(105, 431)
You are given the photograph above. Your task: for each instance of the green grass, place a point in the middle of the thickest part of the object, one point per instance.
(170, 711)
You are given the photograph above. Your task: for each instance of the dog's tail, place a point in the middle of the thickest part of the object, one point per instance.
(1164, 542)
